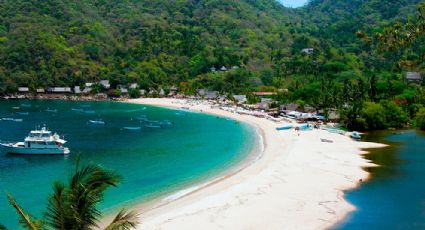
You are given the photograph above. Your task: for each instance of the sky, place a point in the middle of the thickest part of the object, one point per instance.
(293, 3)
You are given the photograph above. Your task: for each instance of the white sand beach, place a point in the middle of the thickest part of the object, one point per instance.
(298, 182)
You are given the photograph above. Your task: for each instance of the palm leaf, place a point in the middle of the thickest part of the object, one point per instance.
(87, 187)
(2, 227)
(124, 221)
(26, 219)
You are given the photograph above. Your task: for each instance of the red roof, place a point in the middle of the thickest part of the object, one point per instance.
(264, 93)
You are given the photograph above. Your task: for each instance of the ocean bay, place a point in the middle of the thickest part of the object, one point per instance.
(152, 162)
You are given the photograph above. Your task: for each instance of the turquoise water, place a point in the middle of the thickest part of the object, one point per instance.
(395, 196)
(152, 162)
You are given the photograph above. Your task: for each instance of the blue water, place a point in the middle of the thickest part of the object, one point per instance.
(152, 162)
(395, 196)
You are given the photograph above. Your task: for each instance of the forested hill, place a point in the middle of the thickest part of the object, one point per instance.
(159, 43)
(338, 20)
(45, 43)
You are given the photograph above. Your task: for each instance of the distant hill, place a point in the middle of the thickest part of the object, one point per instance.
(161, 43)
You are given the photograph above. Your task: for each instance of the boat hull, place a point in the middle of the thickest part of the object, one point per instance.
(35, 151)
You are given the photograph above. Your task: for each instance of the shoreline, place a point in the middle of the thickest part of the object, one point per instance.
(289, 185)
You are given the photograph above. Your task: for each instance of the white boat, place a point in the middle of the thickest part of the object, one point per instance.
(38, 142)
(52, 110)
(131, 128)
(98, 122)
(153, 126)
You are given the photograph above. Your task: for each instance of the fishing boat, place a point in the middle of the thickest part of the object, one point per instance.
(52, 110)
(89, 111)
(132, 128)
(38, 142)
(285, 127)
(98, 122)
(22, 113)
(355, 135)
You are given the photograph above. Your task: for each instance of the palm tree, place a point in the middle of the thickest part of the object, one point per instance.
(73, 205)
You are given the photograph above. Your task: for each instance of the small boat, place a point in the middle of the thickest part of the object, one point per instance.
(18, 120)
(152, 126)
(52, 110)
(326, 140)
(22, 113)
(89, 111)
(142, 118)
(131, 128)
(355, 135)
(25, 105)
(285, 127)
(38, 142)
(7, 119)
(77, 110)
(166, 123)
(98, 122)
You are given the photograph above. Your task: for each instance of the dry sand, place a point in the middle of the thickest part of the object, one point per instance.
(298, 183)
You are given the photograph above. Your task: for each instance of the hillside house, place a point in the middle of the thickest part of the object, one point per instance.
(413, 77)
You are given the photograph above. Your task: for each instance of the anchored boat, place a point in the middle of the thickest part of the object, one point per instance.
(38, 142)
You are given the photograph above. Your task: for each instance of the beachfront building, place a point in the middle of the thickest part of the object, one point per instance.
(77, 90)
(414, 77)
(240, 99)
(105, 84)
(23, 90)
(122, 89)
(59, 90)
(211, 95)
(40, 90)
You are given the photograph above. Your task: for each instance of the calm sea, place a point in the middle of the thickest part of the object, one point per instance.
(395, 196)
(152, 162)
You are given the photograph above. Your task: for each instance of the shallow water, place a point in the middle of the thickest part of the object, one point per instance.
(395, 196)
(152, 162)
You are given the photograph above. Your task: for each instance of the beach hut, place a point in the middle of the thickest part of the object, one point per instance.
(40, 90)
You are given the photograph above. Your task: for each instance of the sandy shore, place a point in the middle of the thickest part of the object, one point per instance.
(298, 183)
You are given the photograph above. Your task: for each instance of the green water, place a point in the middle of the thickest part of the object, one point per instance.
(152, 162)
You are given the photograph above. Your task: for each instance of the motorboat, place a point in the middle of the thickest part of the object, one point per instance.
(38, 142)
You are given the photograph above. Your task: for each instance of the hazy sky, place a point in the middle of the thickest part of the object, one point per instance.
(293, 3)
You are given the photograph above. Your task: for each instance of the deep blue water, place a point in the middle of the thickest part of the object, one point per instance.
(395, 196)
(152, 162)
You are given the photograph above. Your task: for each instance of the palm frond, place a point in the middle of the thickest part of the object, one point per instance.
(58, 210)
(26, 220)
(87, 187)
(124, 221)
(2, 227)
